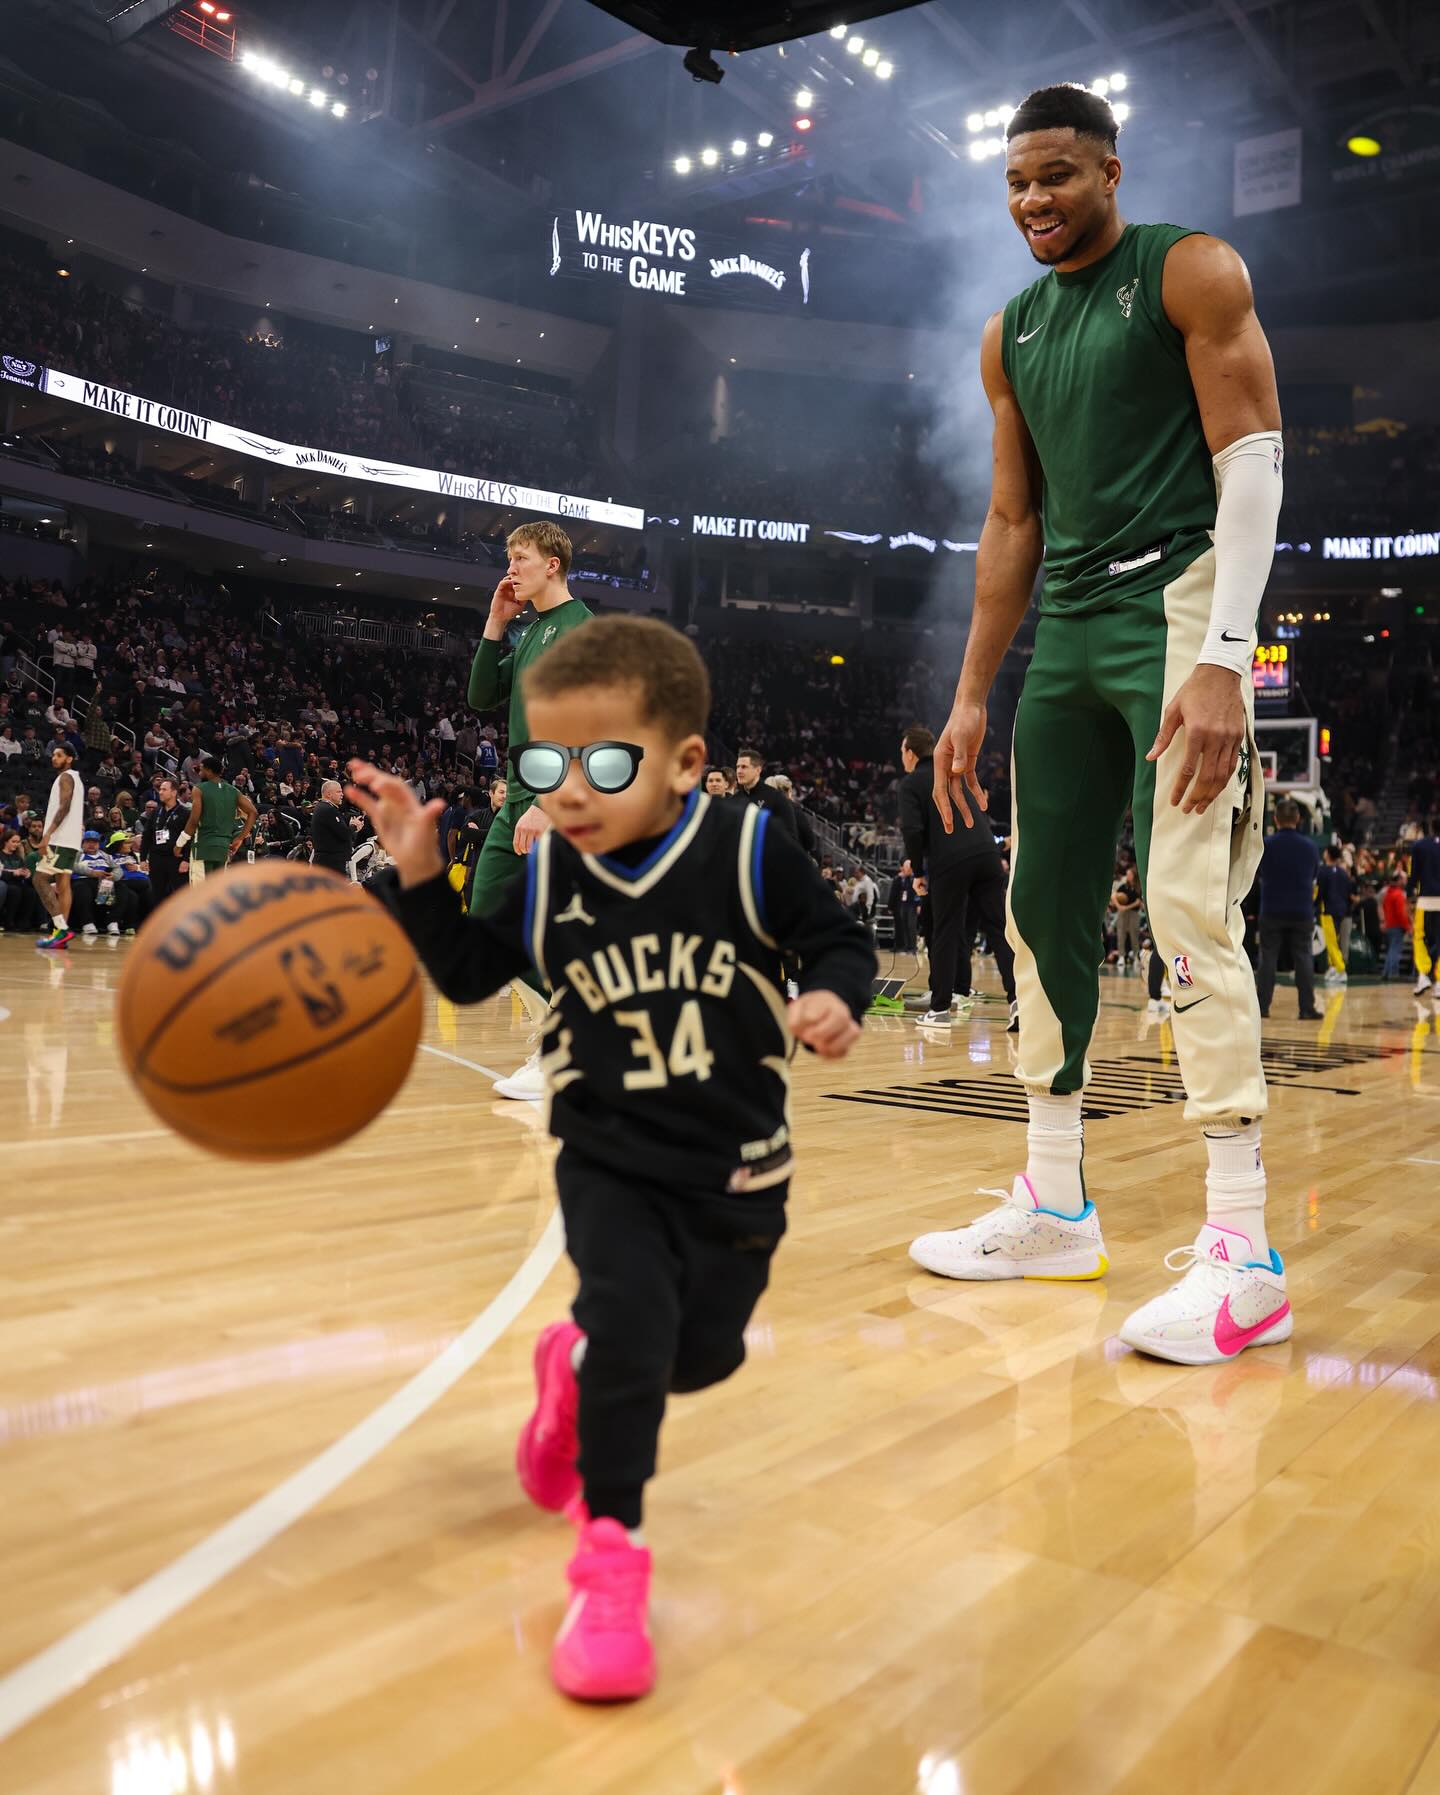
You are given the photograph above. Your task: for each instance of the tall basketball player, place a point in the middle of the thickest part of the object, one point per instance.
(1137, 448)
(539, 567)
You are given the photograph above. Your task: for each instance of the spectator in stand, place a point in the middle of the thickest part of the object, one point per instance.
(904, 908)
(1425, 883)
(1126, 900)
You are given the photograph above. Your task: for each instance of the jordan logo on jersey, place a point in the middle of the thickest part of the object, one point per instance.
(575, 911)
(1126, 295)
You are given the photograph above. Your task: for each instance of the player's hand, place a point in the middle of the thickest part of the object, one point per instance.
(506, 605)
(957, 755)
(530, 828)
(821, 1020)
(183, 867)
(406, 827)
(1209, 708)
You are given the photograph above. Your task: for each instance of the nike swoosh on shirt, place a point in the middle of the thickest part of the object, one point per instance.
(1225, 638)
(1180, 1008)
(1032, 333)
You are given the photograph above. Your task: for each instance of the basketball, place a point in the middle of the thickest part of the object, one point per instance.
(270, 1012)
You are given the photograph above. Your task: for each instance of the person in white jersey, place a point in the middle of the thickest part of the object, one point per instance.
(59, 848)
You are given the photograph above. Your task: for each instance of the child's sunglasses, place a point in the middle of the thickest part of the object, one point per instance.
(609, 766)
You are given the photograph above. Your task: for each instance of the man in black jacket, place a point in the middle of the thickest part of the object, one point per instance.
(752, 789)
(966, 881)
(158, 853)
(330, 836)
(904, 907)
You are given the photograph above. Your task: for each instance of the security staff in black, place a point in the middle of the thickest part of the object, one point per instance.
(157, 845)
(667, 1062)
(966, 878)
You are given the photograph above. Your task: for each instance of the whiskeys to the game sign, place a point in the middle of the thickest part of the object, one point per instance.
(677, 261)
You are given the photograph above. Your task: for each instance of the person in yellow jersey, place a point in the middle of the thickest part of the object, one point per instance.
(1137, 451)
(540, 555)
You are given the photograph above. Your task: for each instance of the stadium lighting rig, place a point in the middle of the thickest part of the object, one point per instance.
(271, 72)
(997, 117)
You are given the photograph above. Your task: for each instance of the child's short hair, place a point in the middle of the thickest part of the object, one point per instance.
(549, 539)
(658, 662)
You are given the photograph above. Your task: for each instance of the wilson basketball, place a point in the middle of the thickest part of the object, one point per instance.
(270, 1012)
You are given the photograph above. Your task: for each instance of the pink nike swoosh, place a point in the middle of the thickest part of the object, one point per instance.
(1230, 1338)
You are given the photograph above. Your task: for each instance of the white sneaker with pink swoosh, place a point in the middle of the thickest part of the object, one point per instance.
(1227, 1300)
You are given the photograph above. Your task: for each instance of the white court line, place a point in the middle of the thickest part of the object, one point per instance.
(474, 1065)
(1422, 1162)
(70, 1663)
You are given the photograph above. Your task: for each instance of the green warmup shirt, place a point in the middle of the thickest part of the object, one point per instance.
(495, 676)
(1100, 375)
(219, 806)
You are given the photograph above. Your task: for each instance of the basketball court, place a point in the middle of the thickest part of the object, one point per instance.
(261, 1527)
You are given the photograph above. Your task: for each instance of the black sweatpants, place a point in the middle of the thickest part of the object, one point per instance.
(1296, 933)
(668, 1283)
(963, 895)
(165, 879)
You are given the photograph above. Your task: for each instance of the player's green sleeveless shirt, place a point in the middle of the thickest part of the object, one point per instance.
(219, 806)
(1100, 375)
(496, 675)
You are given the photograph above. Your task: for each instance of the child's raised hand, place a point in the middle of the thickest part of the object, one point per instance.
(406, 827)
(823, 1021)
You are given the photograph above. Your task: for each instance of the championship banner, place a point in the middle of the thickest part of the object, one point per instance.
(153, 414)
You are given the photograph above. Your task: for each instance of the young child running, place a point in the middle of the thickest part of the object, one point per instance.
(658, 917)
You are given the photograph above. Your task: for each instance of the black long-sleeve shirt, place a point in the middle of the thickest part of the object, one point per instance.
(668, 1054)
(926, 843)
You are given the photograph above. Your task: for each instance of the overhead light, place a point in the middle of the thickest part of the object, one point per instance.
(977, 151)
(296, 85)
(318, 96)
(1121, 110)
(885, 70)
(64, 273)
(871, 57)
(339, 109)
(682, 165)
(765, 139)
(1363, 146)
(992, 117)
(802, 124)
(855, 45)
(739, 147)
(732, 361)
(838, 30)
(542, 336)
(709, 157)
(222, 16)
(804, 99)
(1100, 86)
(1117, 83)
(975, 122)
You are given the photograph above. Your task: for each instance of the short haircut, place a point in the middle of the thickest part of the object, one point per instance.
(549, 539)
(919, 740)
(729, 773)
(63, 748)
(1287, 811)
(1066, 106)
(660, 665)
(750, 754)
(1332, 852)
(211, 762)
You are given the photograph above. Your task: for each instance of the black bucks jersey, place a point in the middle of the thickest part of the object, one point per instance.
(667, 1049)
(667, 1053)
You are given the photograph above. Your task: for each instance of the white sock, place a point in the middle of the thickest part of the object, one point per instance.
(577, 1354)
(1056, 1138)
(1235, 1185)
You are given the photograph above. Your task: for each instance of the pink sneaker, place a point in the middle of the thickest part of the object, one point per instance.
(603, 1651)
(548, 1446)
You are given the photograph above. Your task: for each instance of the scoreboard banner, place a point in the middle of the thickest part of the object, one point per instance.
(678, 261)
(155, 414)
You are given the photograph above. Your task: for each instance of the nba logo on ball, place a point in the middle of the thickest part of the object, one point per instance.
(1184, 978)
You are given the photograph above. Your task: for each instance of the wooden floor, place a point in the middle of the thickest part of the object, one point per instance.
(934, 1537)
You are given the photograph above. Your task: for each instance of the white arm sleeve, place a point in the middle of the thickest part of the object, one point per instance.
(1249, 479)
